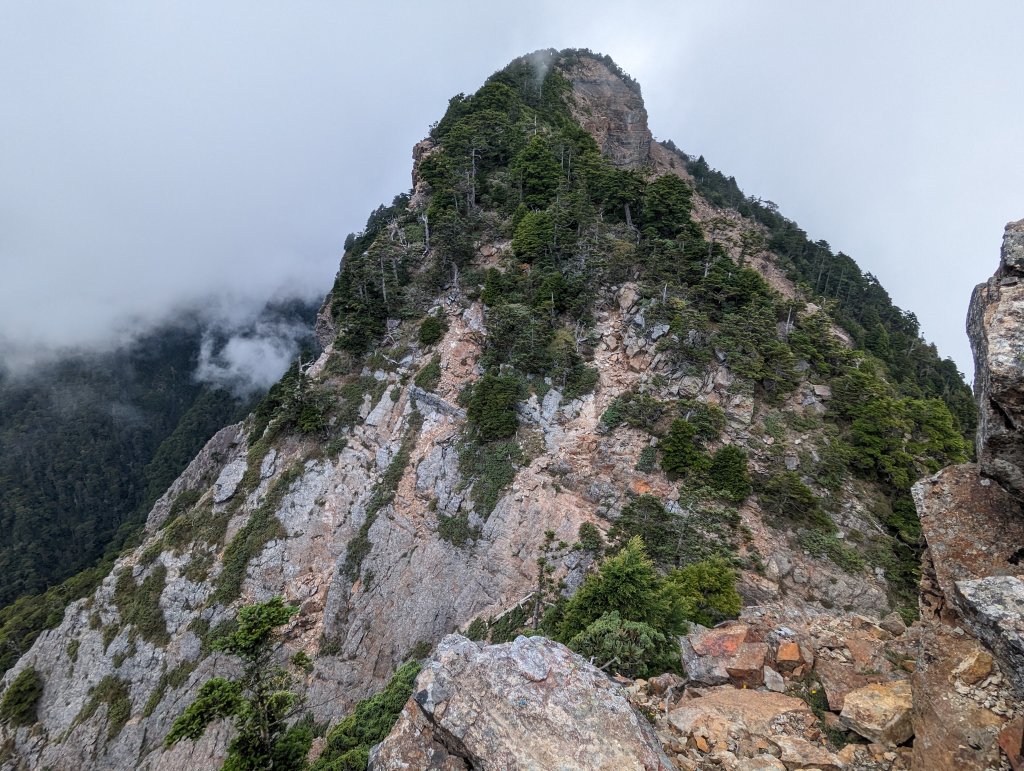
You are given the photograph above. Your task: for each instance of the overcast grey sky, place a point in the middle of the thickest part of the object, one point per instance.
(154, 154)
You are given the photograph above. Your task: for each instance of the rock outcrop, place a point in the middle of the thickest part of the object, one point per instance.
(612, 111)
(969, 678)
(996, 330)
(528, 704)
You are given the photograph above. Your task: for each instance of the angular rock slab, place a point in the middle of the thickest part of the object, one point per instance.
(528, 704)
(881, 713)
(995, 326)
(993, 608)
(707, 653)
(759, 713)
(973, 527)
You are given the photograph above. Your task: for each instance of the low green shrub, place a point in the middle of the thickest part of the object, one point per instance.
(727, 472)
(638, 410)
(18, 706)
(828, 545)
(116, 694)
(786, 496)
(348, 744)
(492, 407)
(490, 469)
(456, 529)
(432, 329)
(680, 453)
(139, 604)
(428, 377)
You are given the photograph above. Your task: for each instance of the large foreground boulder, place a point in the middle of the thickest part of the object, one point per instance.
(528, 704)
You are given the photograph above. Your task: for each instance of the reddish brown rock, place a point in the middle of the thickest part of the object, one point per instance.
(1011, 741)
(755, 712)
(747, 665)
(788, 656)
(839, 678)
(951, 731)
(973, 527)
(707, 652)
(797, 753)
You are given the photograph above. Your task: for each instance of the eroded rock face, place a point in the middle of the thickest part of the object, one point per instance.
(995, 326)
(612, 111)
(952, 730)
(528, 704)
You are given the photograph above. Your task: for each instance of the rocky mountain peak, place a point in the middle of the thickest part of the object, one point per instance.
(567, 345)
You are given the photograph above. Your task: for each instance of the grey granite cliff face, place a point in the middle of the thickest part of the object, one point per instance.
(996, 328)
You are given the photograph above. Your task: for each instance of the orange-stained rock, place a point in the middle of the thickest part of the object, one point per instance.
(746, 667)
(975, 667)
(839, 678)
(880, 712)
(707, 652)
(968, 522)
(1011, 741)
(800, 753)
(752, 711)
(788, 656)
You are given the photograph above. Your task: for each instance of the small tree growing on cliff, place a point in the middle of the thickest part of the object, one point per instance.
(260, 701)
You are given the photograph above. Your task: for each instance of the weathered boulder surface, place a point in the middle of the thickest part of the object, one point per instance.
(528, 704)
(995, 325)
(880, 712)
(726, 710)
(952, 729)
(972, 526)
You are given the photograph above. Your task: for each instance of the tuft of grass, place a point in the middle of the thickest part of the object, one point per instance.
(139, 604)
(428, 377)
(115, 693)
(456, 530)
(175, 678)
(490, 468)
(348, 744)
(262, 528)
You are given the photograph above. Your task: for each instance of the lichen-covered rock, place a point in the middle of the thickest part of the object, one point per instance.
(995, 326)
(528, 704)
(994, 610)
